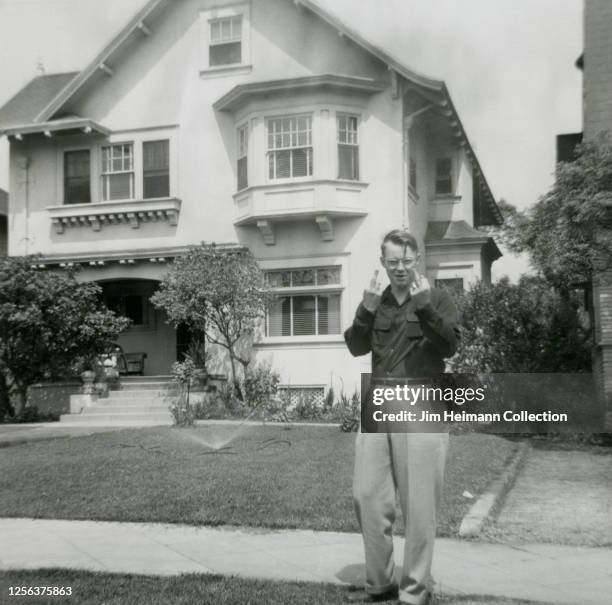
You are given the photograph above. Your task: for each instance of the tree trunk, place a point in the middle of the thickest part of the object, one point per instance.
(6, 408)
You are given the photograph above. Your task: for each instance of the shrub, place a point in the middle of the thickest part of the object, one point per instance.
(260, 384)
(182, 375)
(306, 408)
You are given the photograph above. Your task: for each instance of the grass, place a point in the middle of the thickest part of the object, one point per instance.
(115, 589)
(268, 476)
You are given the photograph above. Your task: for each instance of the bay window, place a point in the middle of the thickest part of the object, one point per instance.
(289, 147)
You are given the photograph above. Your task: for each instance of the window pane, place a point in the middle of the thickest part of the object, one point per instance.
(328, 275)
(283, 164)
(119, 186)
(413, 173)
(215, 31)
(303, 315)
(225, 54)
(77, 177)
(304, 277)
(279, 317)
(155, 155)
(329, 313)
(243, 180)
(348, 162)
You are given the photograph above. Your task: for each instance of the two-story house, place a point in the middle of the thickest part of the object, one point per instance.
(268, 124)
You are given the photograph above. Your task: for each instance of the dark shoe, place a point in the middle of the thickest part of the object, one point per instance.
(361, 596)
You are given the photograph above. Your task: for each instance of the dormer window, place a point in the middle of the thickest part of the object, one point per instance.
(225, 46)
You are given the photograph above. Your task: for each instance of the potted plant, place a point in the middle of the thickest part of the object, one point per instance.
(89, 366)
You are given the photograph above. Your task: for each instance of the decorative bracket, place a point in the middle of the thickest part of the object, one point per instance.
(325, 226)
(267, 232)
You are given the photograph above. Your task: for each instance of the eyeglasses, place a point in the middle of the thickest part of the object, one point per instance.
(394, 263)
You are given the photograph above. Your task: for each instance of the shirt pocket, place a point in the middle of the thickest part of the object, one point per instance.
(381, 331)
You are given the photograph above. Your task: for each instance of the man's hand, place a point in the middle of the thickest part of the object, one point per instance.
(420, 291)
(371, 295)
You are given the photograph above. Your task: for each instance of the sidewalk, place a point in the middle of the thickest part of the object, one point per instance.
(548, 573)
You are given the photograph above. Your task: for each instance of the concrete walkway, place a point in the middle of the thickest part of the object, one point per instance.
(547, 573)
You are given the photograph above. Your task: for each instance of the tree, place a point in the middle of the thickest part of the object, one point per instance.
(524, 327)
(219, 292)
(47, 322)
(562, 232)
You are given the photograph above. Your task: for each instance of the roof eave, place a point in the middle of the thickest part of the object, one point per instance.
(241, 93)
(85, 124)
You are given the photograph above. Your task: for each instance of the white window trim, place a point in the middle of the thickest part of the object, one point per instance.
(221, 12)
(136, 139)
(359, 145)
(308, 263)
(103, 174)
(267, 151)
(324, 139)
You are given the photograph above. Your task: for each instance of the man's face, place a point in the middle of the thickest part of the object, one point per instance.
(400, 264)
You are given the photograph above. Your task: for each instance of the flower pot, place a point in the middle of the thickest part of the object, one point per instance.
(88, 377)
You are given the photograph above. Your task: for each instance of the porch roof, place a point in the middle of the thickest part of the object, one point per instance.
(459, 232)
(121, 257)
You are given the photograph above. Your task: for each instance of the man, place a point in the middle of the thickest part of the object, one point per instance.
(409, 328)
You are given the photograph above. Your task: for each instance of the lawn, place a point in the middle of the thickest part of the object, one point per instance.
(269, 476)
(114, 589)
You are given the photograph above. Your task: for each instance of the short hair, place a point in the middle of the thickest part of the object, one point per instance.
(401, 237)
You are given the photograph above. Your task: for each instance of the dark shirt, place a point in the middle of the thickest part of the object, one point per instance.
(405, 341)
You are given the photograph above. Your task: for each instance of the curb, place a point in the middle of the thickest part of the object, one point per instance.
(472, 523)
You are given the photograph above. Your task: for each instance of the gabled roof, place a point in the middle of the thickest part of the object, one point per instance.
(45, 96)
(33, 98)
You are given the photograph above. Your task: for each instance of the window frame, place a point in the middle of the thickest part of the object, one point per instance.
(268, 150)
(233, 39)
(136, 138)
(451, 176)
(242, 153)
(356, 145)
(143, 172)
(65, 153)
(104, 174)
(315, 290)
(219, 13)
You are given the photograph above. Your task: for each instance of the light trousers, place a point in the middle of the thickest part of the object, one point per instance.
(413, 464)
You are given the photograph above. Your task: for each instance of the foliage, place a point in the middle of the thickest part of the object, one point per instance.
(562, 232)
(196, 351)
(31, 414)
(306, 408)
(260, 384)
(527, 327)
(47, 322)
(183, 373)
(349, 410)
(218, 291)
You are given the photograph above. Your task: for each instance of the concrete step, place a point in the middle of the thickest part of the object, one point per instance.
(154, 417)
(144, 386)
(140, 393)
(157, 378)
(135, 401)
(125, 409)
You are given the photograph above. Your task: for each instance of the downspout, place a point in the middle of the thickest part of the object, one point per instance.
(407, 122)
